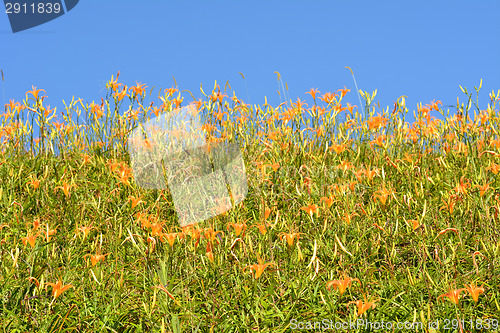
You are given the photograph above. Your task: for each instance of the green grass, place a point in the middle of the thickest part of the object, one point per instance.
(364, 196)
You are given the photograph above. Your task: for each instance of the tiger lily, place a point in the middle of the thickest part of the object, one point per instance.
(453, 295)
(341, 285)
(474, 291)
(58, 288)
(259, 268)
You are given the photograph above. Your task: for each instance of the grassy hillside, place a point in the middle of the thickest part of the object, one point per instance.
(349, 216)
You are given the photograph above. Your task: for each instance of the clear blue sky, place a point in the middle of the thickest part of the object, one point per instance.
(421, 49)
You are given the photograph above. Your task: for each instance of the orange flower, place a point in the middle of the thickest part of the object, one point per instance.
(36, 224)
(382, 195)
(290, 237)
(34, 280)
(348, 217)
(495, 143)
(261, 227)
(138, 90)
(171, 237)
(30, 238)
(113, 82)
(350, 108)
(133, 114)
(414, 224)
(47, 110)
(238, 227)
(343, 92)
(220, 115)
(223, 205)
(155, 111)
(124, 175)
(311, 209)
(341, 285)
(122, 94)
(287, 115)
(113, 165)
(448, 205)
(434, 105)
(152, 240)
(86, 229)
(13, 106)
(328, 200)
(299, 105)
(156, 228)
(177, 101)
(483, 116)
(453, 295)
(192, 231)
(259, 268)
(58, 288)
(65, 188)
(96, 110)
(210, 252)
(328, 97)
(379, 141)
(376, 122)
(34, 182)
(483, 188)
(359, 174)
(495, 168)
(313, 92)
(362, 307)
(217, 96)
(462, 187)
(96, 258)
(135, 201)
(34, 92)
(337, 148)
(170, 91)
(352, 184)
(267, 212)
(345, 165)
(474, 291)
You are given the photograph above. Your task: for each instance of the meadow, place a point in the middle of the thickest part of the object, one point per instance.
(351, 216)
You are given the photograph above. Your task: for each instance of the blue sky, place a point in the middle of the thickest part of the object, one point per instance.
(421, 49)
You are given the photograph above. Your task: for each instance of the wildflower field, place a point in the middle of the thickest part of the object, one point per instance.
(350, 215)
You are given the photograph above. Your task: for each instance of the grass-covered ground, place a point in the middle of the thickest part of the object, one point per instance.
(349, 215)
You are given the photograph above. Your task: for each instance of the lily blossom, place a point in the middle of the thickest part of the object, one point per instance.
(238, 228)
(96, 258)
(362, 306)
(311, 209)
(290, 237)
(259, 268)
(65, 188)
(58, 288)
(30, 239)
(453, 295)
(135, 201)
(34, 182)
(474, 291)
(85, 230)
(341, 285)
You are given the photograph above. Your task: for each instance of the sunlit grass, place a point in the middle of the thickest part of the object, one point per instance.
(407, 211)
